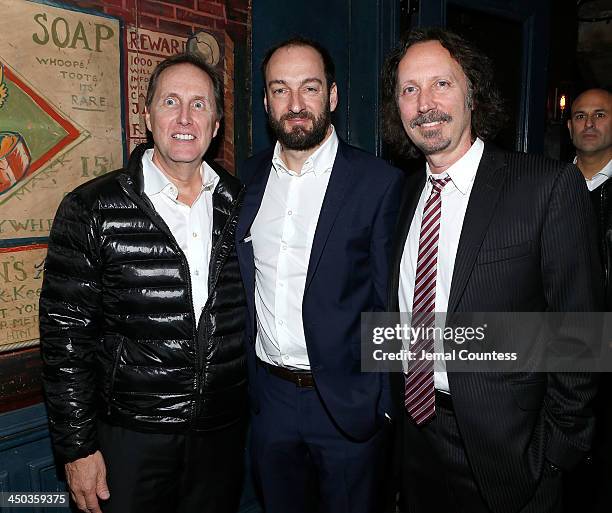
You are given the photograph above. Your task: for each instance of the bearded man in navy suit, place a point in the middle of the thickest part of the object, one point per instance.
(314, 238)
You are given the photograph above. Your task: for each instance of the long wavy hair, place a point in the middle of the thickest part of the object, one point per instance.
(488, 114)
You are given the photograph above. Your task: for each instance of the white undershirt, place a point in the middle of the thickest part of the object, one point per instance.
(190, 226)
(282, 235)
(455, 197)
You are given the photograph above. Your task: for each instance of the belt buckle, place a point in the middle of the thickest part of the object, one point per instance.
(299, 380)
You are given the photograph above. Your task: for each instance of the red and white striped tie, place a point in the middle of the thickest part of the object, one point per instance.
(419, 392)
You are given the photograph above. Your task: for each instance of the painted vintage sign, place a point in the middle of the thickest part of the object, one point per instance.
(21, 273)
(60, 126)
(145, 49)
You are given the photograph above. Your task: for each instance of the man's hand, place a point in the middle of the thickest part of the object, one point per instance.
(87, 481)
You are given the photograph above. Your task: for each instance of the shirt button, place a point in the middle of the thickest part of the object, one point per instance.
(284, 247)
(286, 357)
(195, 235)
(197, 273)
(280, 322)
(289, 212)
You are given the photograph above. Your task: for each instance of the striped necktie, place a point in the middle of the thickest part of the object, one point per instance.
(419, 397)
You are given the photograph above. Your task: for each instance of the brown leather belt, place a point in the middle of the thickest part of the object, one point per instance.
(298, 378)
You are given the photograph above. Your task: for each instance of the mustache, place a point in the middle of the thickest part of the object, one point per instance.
(430, 117)
(298, 115)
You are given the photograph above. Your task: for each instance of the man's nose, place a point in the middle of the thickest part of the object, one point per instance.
(590, 120)
(296, 102)
(426, 101)
(185, 115)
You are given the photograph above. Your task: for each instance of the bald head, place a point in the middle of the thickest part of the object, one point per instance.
(590, 124)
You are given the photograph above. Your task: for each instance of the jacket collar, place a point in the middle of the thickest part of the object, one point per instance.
(227, 198)
(487, 186)
(134, 167)
(227, 188)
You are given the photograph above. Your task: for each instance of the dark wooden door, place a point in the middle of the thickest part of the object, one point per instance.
(515, 35)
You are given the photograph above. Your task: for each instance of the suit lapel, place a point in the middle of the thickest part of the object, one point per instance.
(410, 199)
(252, 199)
(413, 188)
(250, 206)
(339, 182)
(481, 206)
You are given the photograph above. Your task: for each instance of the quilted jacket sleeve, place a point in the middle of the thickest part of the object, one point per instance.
(70, 329)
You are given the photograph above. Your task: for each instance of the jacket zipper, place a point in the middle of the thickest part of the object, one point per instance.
(194, 334)
(160, 223)
(199, 375)
(212, 282)
(602, 225)
(201, 358)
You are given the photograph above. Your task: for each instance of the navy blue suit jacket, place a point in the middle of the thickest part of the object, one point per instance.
(347, 274)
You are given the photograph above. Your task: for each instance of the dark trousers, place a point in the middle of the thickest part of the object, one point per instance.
(436, 476)
(588, 488)
(302, 463)
(173, 473)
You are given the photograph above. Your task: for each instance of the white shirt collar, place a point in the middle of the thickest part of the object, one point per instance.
(156, 182)
(604, 171)
(463, 172)
(607, 169)
(320, 162)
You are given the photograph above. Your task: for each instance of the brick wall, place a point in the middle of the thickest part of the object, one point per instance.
(229, 18)
(178, 17)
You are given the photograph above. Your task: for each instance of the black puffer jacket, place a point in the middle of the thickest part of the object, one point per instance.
(119, 337)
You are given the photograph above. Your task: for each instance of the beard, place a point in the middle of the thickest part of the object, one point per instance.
(299, 138)
(432, 139)
(433, 142)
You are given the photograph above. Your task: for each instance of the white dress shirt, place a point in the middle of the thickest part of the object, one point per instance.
(282, 235)
(455, 197)
(190, 226)
(599, 177)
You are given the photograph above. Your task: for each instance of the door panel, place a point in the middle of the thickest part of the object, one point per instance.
(515, 36)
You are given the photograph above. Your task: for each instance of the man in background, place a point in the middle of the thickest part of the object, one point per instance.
(590, 127)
